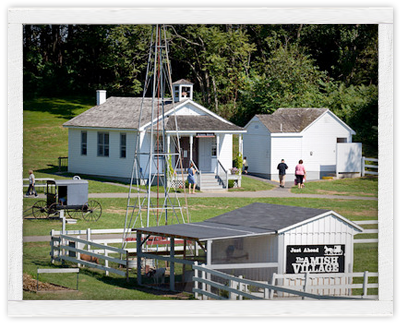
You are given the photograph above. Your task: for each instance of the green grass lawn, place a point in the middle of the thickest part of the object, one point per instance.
(45, 140)
(363, 186)
(95, 285)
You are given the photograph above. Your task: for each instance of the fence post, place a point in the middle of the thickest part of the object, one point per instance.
(52, 246)
(241, 287)
(203, 285)
(231, 285)
(78, 254)
(362, 166)
(306, 279)
(196, 283)
(365, 284)
(88, 237)
(106, 260)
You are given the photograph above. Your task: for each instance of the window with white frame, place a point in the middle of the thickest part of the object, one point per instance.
(159, 144)
(214, 147)
(103, 144)
(122, 145)
(83, 143)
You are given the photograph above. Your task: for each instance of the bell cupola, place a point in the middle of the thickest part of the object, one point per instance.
(183, 89)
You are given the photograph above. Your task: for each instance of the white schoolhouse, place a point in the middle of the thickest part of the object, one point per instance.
(102, 140)
(314, 135)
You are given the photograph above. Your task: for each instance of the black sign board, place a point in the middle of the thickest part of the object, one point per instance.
(315, 259)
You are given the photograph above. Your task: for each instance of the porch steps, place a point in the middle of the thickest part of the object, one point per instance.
(210, 183)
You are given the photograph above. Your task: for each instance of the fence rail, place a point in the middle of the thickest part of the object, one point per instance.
(365, 168)
(68, 248)
(237, 288)
(367, 231)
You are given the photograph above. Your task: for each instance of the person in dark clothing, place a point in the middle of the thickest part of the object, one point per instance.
(282, 172)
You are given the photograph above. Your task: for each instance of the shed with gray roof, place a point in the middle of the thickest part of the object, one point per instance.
(315, 135)
(260, 239)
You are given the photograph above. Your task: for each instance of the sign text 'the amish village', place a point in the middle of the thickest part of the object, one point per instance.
(315, 258)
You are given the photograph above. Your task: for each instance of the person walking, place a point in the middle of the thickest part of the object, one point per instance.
(31, 188)
(300, 173)
(282, 172)
(245, 165)
(191, 179)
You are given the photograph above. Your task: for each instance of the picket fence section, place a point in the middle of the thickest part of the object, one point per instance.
(238, 288)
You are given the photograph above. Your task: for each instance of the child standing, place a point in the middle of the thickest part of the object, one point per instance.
(31, 188)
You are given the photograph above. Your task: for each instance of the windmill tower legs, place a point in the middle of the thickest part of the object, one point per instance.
(151, 199)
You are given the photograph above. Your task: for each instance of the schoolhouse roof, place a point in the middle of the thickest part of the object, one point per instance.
(200, 122)
(124, 113)
(118, 113)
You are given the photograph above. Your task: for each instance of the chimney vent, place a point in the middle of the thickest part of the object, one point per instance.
(101, 97)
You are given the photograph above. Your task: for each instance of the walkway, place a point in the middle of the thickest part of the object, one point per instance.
(276, 192)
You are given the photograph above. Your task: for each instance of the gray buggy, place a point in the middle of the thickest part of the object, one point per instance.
(70, 196)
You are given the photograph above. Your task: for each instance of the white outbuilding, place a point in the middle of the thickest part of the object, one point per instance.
(314, 135)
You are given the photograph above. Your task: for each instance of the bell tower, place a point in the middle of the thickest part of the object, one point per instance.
(183, 89)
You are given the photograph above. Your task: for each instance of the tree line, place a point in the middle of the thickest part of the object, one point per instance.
(237, 70)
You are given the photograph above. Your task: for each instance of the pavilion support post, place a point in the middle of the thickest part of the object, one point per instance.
(172, 265)
(191, 148)
(139, 256)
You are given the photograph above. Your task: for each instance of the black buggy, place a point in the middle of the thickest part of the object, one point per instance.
(70, 196)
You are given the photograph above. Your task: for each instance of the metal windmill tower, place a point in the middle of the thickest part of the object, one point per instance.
(151, 201)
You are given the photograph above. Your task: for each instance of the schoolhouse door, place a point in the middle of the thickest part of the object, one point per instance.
(205, 154)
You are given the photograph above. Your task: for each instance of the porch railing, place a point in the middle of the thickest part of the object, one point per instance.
(222, 173)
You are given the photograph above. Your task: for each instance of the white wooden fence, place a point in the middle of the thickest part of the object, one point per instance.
(364, 166)
(329, 284)
(39, 182)
(68, 248)
(367, 231)
(237, 288)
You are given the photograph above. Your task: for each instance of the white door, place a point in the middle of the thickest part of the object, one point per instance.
(205, 154)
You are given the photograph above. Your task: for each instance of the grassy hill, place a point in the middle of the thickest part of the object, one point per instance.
(44, 138)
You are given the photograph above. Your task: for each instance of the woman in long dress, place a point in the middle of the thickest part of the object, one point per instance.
(191, 179)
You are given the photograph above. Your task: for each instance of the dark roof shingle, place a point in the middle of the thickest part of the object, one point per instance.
(290, 120)
(117, 112)
(123, 113)
(254, 219)
(200, 122)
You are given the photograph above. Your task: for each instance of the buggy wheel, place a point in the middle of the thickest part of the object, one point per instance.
(91, 211)
(73, 213)
(52, 211)
(39, 209)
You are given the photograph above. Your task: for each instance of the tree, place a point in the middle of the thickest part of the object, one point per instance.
(217, 57)
(237, 70)
(290, 79)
